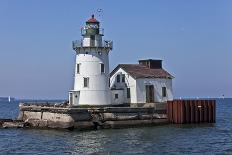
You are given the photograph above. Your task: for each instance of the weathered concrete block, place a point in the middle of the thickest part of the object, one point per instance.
(58, 120)
(30, 115)
(60, 124)
(33, 122)
(13, 124)
(56, 117)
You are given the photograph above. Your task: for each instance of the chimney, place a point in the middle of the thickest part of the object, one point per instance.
(150, 63)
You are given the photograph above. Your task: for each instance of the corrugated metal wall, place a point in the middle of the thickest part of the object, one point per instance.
(191, 111)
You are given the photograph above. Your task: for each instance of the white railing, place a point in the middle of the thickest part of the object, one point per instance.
(105, 44)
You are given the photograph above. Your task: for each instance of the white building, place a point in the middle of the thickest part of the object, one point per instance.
(91, 83)
(146, 82)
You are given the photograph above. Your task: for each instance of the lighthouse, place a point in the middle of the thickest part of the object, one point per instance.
(91, 79)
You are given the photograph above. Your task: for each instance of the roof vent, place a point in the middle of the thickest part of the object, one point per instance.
(150, 63)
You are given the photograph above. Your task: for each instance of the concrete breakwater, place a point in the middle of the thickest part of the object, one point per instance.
(45, 115)
(53, 116)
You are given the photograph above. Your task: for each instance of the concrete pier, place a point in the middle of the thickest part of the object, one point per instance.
(52, 116)
(61, 116)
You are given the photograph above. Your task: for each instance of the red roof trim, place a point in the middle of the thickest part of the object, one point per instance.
(92, 20)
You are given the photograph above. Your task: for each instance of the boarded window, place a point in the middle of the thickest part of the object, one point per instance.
(128, 92)
(102, 68)
(78, 68)
(123, 77)
(118, 78)
(86, 82)
(164, 92)
(116, 96)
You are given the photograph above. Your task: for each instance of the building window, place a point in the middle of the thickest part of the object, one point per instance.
(123, 77)
(164, 92)
(102, 68)
(86, 82)
(78, 68)
(128, 92)
(115, 96)
(118, 78)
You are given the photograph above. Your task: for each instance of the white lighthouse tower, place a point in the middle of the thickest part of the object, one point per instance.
(91, 83)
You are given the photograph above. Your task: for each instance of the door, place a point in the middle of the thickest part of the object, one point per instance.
(149, 93)
(74, 98)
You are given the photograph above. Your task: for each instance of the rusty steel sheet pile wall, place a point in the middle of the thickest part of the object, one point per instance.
(191, 111)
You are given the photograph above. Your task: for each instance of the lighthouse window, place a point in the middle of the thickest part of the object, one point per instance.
(128, 92)
(118, 78)
(102, 68)
(123, 77)
(86, 82)
(116, 96)
(78, 68)
(164, 92)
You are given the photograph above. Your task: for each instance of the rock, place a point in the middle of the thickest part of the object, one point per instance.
(13, 124)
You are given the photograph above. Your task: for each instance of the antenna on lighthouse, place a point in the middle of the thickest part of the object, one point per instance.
(99, 14)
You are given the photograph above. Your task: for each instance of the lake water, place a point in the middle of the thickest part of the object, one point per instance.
(167, 139)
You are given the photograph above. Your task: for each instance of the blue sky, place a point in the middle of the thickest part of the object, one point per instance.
(194, 38)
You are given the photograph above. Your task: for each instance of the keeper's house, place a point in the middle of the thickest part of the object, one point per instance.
(146, 82)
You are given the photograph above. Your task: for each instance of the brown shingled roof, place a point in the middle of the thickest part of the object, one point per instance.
(141, 71)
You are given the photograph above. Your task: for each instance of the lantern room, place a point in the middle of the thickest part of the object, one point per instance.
(92, 28)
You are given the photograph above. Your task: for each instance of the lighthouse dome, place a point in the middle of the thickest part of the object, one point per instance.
(92, 20)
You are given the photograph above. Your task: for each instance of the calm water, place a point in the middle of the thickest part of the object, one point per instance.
(169, 139)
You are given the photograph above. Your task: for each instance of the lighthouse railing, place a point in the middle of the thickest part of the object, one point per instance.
(105, 44)
(108, 44)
